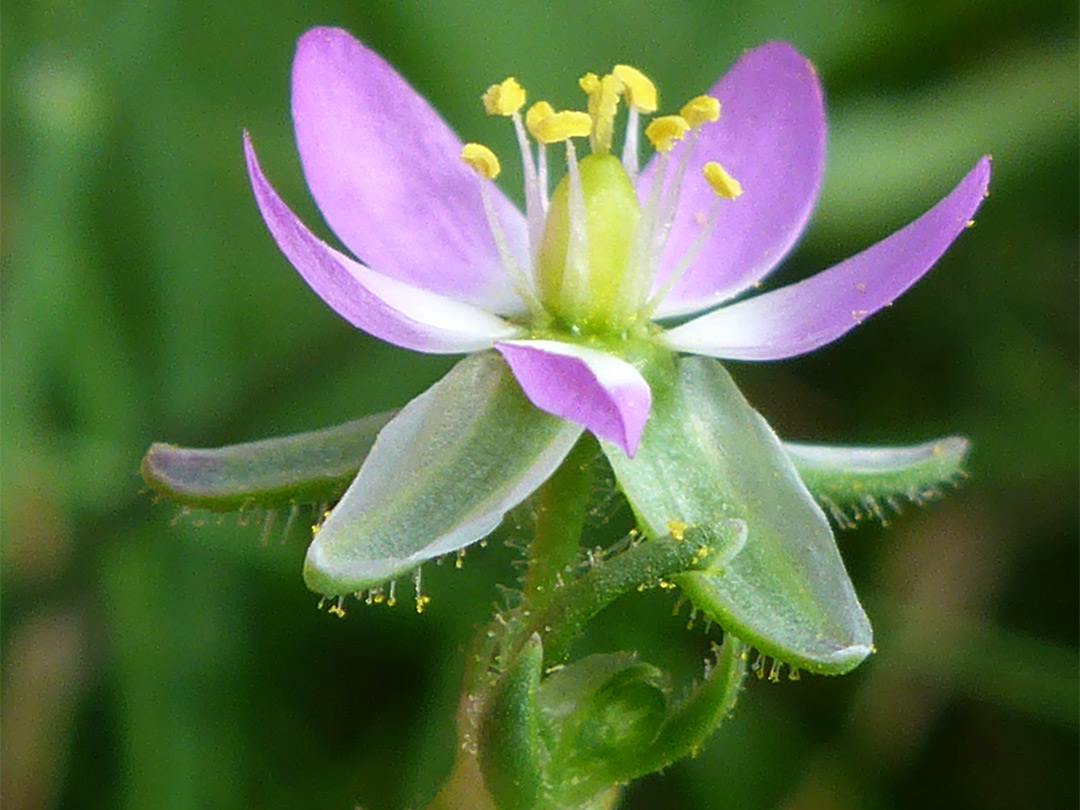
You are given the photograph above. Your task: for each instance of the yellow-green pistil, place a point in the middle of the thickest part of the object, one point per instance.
(585, 296)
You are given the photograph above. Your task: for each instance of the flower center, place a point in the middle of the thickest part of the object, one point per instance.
(595, 244)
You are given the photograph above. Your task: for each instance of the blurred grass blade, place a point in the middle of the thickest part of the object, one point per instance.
(856, 482)
(311, 467)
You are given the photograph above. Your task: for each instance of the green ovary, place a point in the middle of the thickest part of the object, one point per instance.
(589, 301)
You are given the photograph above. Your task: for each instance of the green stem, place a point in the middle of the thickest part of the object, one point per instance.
(561, 505)
(648, 563)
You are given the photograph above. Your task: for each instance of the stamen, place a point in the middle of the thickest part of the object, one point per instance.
(664, 132)
(504, 98)
(562, 126)
(640, 92)
(727, 188)
(537, 113)
(484, 162)
(481, 160)
(630, 144)
(666, 213)
(535, 202)
(722, 183)
(639, 269)
(701, 110)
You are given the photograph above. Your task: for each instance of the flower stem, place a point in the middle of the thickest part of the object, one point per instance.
(561, 505)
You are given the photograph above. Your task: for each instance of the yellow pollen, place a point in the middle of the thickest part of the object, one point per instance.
(677, 528)
(664, 131)
(589, 83)
(561, 126)
(603, 105)
(481, 160)
(537, 113)
(700, 110)
(722, 183)
(639, 90)
(504, 98)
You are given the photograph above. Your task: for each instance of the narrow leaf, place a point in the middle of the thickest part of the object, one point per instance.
(854, 482)
(705, 456)
(441, 475)
(308, 467)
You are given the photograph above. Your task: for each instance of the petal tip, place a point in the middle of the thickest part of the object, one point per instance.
(588, 386)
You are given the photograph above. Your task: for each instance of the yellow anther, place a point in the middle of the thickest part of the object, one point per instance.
(537, 113)
(639, 90)
(664, 131)
(481, 160)
(563, 125)
(722, 183)
(504, 98)
(700, 110)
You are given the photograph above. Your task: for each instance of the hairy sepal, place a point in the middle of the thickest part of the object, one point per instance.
(858, 482)
(312, 467)
(442, 475)
(707, 456)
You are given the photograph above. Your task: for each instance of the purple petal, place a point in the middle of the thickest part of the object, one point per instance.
(384, 307)
(771, 138)
(593, 388)
(386, 173)
(801, 317)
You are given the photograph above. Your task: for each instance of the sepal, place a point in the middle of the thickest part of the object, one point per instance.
(442, 475)
(857, 482)
(312, 467)
(705, 456)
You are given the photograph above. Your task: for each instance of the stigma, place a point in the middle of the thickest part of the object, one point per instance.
(595, 241)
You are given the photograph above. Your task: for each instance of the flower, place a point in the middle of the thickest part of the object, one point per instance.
(571, 294)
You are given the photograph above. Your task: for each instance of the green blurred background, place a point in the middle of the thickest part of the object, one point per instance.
(158, 663)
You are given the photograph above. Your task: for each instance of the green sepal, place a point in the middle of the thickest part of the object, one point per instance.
(857, 482)
(609, 719)
(600, 713)
(313, 467)
(707, 456)
(442, 475)
(511, 754)
(699, 714)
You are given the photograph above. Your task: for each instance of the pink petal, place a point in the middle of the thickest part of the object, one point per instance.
(771, 138)
(593, 388)
(384, 307)
(385, 171)
(801, 317)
